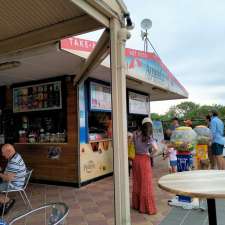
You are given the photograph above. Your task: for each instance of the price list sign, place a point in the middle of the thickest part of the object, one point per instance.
(138, 103)
(100, 97)
(38, 97)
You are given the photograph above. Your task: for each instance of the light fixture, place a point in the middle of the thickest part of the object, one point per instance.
(9, 65)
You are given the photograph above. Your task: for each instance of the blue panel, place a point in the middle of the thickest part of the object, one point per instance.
(83, 114)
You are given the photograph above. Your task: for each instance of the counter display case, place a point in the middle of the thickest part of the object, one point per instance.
(39, 113)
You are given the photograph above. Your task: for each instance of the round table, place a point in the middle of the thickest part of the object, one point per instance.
(209, 184)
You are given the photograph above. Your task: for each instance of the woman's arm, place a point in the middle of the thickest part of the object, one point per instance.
(155, 147)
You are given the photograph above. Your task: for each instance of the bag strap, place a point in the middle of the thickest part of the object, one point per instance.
(134, 137)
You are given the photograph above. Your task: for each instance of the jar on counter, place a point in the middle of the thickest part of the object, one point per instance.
(22, 136)
(47, 137)
(42, 136)
(52, 137)
(62, 138)
(31, 138)
(57, 138)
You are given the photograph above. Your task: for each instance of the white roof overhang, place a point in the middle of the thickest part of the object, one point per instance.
(51, 61)
(27, 24)
(161, 86)
(24, 28)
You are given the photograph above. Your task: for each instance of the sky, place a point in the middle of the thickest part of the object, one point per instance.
(189, 36)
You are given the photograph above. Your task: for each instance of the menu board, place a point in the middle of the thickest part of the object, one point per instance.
(46, 96)
(100, 97)
(138, 103)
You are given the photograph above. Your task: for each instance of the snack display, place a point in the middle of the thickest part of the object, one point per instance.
(184, 139)
(37, 97)
(204, 135)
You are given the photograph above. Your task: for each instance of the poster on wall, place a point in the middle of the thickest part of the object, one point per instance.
(96, 159)
(46, 96)
(138, 103)
(100, 97)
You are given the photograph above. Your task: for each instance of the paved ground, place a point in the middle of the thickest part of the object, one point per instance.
(92, 204)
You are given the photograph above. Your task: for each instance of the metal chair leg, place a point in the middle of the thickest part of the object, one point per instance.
(28, 201)
(23, 197)
(3, 211)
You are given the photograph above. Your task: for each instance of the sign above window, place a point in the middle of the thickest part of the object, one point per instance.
(46, 96)
(100, 97)
(138, 103)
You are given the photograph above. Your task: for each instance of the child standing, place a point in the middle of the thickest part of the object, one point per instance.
(171, 153)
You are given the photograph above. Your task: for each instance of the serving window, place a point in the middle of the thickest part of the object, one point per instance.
(39, 112)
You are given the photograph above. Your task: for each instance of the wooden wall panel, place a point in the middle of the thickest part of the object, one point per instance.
(71, 113)
(62, 169)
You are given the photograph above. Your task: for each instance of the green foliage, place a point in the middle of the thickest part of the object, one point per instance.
(189, 110)
(155, 116)
(185, 110)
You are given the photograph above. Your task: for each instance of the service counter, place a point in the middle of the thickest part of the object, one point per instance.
(96, 150)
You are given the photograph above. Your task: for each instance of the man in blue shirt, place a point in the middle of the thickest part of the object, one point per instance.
(217, 129)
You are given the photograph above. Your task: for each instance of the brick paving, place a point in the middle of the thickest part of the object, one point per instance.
(92, 204)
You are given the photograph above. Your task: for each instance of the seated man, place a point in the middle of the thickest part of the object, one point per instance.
(13, 175)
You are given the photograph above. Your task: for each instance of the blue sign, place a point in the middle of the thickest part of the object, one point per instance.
(82, 112)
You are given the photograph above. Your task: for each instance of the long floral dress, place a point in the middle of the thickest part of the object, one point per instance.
(143, 197)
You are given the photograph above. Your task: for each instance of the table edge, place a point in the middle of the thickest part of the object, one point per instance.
(194, 195)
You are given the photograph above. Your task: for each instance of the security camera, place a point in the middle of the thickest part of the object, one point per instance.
(131, 27)
(124, 34)
(129, 23)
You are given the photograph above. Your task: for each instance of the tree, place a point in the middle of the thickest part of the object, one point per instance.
(190, 110)
(184, 110)
(155, 116)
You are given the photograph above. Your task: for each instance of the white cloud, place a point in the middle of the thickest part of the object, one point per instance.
(189, 37)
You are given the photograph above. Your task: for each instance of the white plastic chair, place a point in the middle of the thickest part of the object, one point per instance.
(21, 190)
(57, 217)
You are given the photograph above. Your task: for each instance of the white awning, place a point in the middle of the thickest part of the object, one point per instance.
(145, 71)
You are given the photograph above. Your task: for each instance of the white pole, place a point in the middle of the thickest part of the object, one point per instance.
(118, 37)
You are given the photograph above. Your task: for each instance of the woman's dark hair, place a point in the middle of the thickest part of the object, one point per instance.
(208, 117)
(175, 118)
(214, 113)
(146, 131)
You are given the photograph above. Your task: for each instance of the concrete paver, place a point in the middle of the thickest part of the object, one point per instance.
(92, 204)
